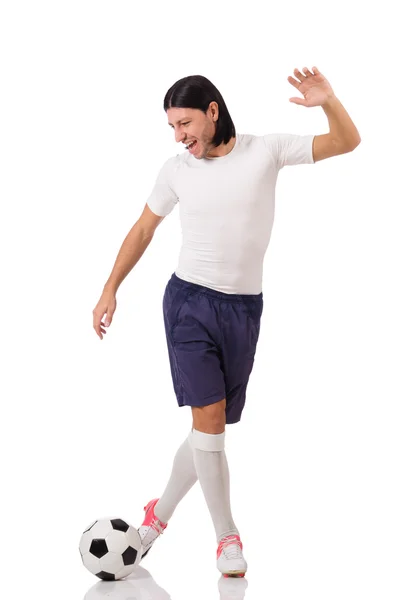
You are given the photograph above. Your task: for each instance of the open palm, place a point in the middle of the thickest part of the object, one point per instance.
(314, 87)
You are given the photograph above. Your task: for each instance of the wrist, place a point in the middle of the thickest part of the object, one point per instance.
(330, 102)
(110, 287)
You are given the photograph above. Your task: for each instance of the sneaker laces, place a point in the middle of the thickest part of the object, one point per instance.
(149, 533)
(156, 525)
(231, 547)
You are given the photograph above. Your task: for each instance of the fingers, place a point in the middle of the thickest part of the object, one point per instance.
(111, 307)
(294, 82)
(302, 77)
(108, 319)
(307, 72)
(299, 75)
(106, 305)
(99, 324)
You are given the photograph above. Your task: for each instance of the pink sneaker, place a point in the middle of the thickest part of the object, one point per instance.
(230, 559)
(151, 527)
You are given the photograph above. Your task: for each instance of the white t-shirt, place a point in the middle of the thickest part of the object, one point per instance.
(226, 207)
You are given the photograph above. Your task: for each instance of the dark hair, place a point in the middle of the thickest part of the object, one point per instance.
(197, 91)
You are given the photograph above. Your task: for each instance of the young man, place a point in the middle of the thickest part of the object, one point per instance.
(225, 185)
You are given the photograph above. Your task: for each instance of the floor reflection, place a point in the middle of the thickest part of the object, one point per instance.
(140, 585)
(231, 588)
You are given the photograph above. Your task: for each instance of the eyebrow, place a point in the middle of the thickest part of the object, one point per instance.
(180, 120)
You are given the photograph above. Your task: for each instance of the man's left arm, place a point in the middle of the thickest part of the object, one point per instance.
(343, 135)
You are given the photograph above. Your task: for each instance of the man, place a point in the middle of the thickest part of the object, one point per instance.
(225, 185)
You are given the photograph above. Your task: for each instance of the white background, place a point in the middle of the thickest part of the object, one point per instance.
(89, 428)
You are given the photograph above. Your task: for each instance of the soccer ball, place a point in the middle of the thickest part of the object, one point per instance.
(110, 548)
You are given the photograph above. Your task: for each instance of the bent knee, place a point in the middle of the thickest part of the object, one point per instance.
(211, 418)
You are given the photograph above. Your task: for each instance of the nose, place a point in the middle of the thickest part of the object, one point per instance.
(179, 136)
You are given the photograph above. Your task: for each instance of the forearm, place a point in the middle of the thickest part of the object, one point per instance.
(340, 124)
(129, 254)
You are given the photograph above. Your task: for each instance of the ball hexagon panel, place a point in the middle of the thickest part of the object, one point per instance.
(117, 541)
(85, 542)
(101, 529)
(111, 563)
(124, 572)
(134, 541)
(91, 563)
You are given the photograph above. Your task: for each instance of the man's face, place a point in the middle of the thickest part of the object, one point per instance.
(192, 125)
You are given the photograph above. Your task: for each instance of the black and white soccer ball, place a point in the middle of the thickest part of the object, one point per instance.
(110, 548)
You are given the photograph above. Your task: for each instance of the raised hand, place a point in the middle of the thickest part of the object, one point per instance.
(314, 87)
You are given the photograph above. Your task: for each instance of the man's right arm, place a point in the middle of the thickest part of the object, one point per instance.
(133, 247)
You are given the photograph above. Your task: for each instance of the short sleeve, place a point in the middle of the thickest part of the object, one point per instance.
(289, 148)
(163, 198)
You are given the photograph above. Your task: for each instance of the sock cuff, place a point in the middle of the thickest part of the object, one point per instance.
(209, 442)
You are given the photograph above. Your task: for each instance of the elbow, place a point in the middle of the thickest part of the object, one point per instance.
(356, 141)
(145, 233)
(352, 145)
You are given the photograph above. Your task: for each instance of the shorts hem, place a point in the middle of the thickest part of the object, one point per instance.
(233, 422)
(214, 400)
(207, 401)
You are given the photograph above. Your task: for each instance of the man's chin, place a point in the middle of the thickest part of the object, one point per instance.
(199, 155)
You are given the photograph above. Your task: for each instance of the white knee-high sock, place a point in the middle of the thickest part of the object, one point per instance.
(213, 474)
(183, 477)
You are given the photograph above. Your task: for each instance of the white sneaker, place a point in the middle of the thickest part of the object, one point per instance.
(151, 527)
(230, 559)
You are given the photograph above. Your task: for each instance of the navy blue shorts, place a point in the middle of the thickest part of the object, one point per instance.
(211, 338)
